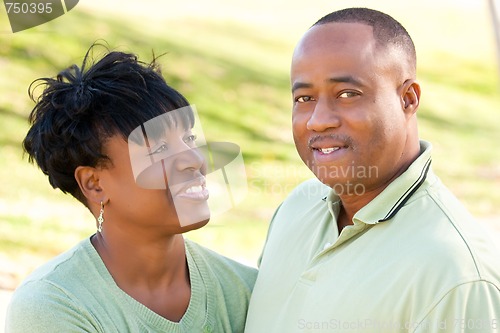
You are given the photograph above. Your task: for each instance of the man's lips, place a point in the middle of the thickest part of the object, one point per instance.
(329, 143)
(327, 151)
(326, 148)
(327, 154)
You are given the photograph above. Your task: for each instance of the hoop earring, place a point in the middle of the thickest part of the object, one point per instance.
(100, 219)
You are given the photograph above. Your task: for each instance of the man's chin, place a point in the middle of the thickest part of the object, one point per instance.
(347, 187)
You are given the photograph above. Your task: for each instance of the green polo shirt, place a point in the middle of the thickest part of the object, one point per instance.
(414, 261)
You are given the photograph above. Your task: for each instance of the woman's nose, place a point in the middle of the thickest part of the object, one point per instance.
(189, 158)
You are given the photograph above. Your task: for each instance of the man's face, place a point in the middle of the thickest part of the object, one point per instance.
(349, 124)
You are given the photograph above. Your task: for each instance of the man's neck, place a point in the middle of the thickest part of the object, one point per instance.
(351, 203)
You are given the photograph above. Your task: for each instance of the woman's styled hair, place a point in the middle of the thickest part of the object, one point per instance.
(82, 107)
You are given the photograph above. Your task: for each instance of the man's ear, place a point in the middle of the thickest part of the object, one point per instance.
(88, 181)
(410, 97)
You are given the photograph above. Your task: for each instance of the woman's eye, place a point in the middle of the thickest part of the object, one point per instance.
(163, 147)
(190, 138)
(348, 94)
(303, 99)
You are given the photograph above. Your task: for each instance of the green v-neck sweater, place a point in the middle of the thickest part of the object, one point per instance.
(74, 292)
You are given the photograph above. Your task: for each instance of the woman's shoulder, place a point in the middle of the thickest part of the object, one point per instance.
(222, 266)
(58, 267)
(48, 293)
(56, 280)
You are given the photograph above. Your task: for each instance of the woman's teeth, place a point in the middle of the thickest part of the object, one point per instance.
(194, 189)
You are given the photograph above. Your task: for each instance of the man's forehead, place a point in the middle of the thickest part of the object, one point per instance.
(335, 44)
(336, 34)
(343, 44)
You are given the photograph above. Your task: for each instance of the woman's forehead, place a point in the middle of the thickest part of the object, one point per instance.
(179, 119)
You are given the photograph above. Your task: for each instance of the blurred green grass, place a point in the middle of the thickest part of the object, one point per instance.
(235, 70)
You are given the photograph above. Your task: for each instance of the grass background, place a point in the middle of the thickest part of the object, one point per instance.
(231, 59)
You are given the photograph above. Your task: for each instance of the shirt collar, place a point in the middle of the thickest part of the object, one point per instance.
(386, 205)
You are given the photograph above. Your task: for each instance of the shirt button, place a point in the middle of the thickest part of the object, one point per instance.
(207, 329)
(327, 245)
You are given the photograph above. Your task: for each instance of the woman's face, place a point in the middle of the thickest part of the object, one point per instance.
(159, 183)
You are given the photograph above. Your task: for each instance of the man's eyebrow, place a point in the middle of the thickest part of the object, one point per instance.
(299, 85)
(338, 79)
(346, 79)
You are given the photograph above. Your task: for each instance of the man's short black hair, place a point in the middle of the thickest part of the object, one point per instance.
(81, 108)
(386, 30)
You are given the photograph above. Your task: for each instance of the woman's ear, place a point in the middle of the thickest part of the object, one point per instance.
(410, 97)
(88, 181)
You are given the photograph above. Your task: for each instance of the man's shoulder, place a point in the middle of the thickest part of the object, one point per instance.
(309, 190)
(452, 236)
(305, 208)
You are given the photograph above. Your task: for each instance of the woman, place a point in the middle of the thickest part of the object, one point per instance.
(118, 138)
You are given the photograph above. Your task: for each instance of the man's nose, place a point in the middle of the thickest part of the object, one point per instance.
(324, 116)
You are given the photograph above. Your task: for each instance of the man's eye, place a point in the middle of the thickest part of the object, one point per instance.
(348, 94)
(303, 99)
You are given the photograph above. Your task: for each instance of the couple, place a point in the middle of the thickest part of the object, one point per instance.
(387, 251)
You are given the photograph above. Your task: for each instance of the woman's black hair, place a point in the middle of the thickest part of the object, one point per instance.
(81, 108)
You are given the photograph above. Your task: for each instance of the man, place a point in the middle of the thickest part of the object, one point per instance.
(376, 243)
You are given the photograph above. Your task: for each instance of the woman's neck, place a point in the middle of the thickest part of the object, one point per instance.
(152, 271)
